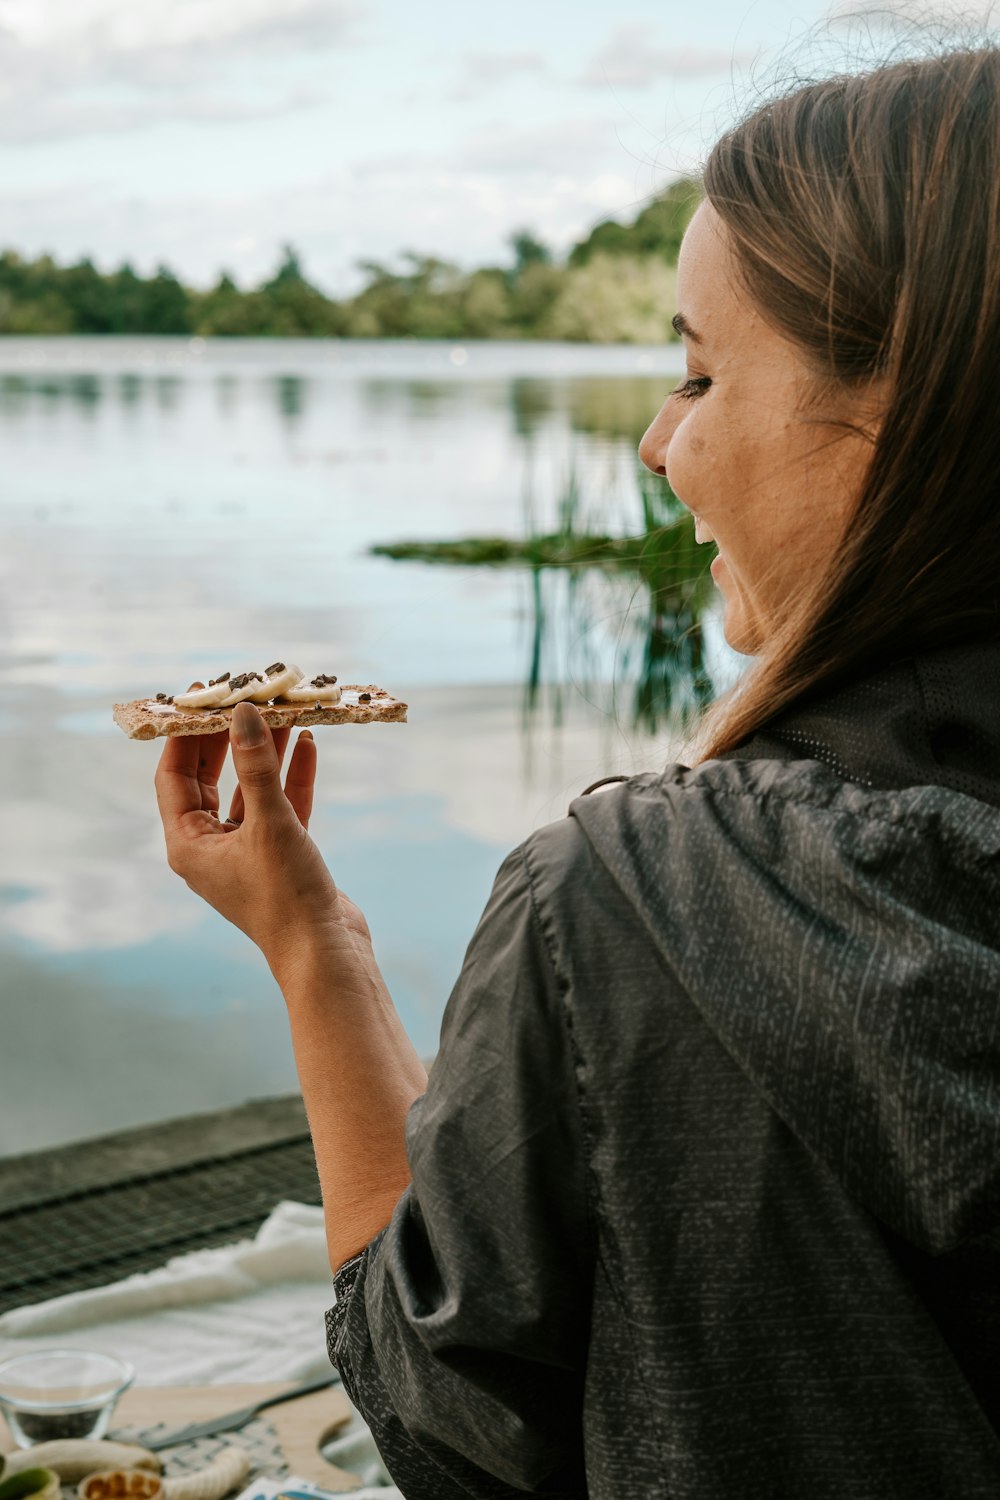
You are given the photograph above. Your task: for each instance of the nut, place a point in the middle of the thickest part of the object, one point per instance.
(121, 1484)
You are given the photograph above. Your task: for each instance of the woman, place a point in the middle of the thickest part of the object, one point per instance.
(702, 1198)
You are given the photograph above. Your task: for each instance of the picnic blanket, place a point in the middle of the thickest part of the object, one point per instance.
(248, 1311)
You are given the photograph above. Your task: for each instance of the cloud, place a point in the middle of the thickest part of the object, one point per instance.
(571, 145)
(463, 205)
(481, 71)
(494, 67)
(103, 66)
(121, 28)
(893, 15)
(60, 119)
(631, 58)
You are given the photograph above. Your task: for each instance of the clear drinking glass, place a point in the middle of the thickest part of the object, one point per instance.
(61, 1393)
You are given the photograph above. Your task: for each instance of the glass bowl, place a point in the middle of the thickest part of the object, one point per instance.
(61, 1393)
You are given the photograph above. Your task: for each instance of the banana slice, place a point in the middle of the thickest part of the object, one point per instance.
(319, 689)
(241, 687)
(279, 678)
(209, 697)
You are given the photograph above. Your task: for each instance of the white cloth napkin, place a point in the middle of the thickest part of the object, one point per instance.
(252, 1310)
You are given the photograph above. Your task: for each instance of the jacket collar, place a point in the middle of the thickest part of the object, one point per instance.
(925, 720)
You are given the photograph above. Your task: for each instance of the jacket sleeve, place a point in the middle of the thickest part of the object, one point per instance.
(461, 1330)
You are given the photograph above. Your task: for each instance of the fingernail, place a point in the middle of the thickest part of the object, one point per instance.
(249, 728)
(306, 734)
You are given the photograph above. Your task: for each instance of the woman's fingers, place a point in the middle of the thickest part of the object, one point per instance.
(213, 749)
(237, 809)
(301, 778)
(299, 782)
(178, 789)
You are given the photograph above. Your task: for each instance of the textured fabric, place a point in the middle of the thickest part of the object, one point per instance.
(706, 1180)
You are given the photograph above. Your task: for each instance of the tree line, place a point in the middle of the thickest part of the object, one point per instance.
(616, 285)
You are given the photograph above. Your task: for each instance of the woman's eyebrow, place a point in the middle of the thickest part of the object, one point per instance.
(680, 325)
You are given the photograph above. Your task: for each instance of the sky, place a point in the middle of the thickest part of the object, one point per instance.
(206, 134)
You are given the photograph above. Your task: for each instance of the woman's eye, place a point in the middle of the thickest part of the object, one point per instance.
(695, 385)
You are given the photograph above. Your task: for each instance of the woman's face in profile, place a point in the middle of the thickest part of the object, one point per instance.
(768, 479)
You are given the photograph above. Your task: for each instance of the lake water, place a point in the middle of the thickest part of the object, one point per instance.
(172, 509)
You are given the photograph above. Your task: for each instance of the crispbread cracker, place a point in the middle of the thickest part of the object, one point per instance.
(146, 719)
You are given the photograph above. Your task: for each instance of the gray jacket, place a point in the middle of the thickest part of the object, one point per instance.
(706, 1180)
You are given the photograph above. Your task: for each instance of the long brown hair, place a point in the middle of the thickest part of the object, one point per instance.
(865, 216)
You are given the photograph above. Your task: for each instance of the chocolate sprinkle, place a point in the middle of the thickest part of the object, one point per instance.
(274, 669)
(364, 697)
(161, 697)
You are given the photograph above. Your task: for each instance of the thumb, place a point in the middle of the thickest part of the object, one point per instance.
(256, 761)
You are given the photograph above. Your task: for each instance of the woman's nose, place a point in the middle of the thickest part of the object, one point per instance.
(654, 441)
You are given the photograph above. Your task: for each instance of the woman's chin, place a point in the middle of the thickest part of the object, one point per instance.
(738, 629)
(741, 644)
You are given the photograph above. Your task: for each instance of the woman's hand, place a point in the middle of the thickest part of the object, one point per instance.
(357, 1067)
(260, 868)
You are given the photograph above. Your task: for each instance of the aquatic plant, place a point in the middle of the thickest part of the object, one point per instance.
(664, 587)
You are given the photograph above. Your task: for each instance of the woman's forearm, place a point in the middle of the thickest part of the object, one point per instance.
(359, 1075)
(358, 1070)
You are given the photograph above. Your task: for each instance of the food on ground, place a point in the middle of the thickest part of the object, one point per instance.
(224, 1474)
(74, 1458)
(30, 1484)
(121, 1484)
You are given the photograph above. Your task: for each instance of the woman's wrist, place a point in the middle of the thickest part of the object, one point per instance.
(321, 954)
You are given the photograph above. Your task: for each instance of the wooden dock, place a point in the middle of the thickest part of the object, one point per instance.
(86, 1214)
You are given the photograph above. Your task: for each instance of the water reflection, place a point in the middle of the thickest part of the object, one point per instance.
(129, 389)
(427, 400)
(661, 678)
(531, 402)
(621, 408)
(291, 392)
(168, 391)
(227, 394)
(18, 392)
(158, 521)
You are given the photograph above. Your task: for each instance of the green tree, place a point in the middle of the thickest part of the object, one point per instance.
(423, 301)
(485, 304)
(127, 301)
(615, 299)
(533, 296)
(615, 286)
(294, 308)
(166, 305)
(528, 251)
(89, 298)
(46, 312)
(658, 229)
(226, 312)
(289, 272)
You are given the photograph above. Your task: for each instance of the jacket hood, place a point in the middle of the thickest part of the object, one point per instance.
(828, 896)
